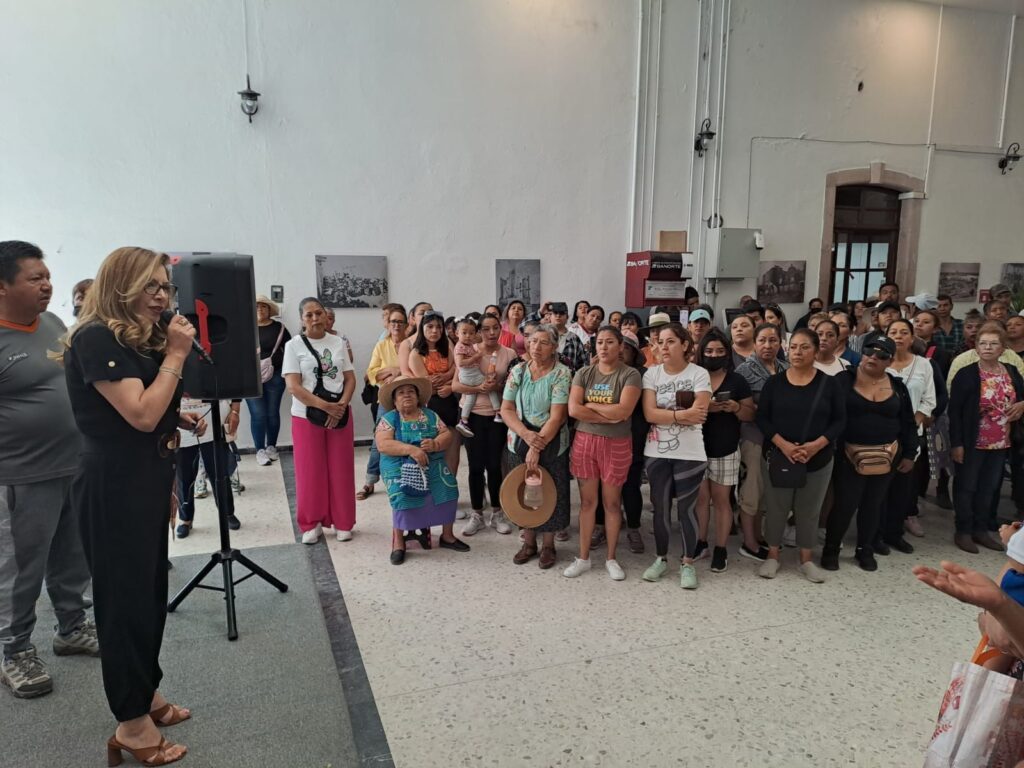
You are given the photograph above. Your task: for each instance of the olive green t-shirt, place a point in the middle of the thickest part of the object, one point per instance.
(606, 388)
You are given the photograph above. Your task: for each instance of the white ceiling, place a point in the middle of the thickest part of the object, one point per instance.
(996, 6)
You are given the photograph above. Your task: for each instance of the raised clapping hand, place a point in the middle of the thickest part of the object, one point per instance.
(964, 584)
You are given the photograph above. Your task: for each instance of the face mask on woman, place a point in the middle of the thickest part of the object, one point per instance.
(714, 363)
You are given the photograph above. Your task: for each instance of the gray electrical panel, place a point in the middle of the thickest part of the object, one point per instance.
(738, 258)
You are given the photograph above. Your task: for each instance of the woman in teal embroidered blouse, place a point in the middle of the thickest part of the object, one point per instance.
(412, 439)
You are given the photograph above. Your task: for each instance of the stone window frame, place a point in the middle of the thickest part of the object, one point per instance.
(911, 191)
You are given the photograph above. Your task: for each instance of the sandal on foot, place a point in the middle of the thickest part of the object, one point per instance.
(366, 490)
(158, 715)
(145, 755)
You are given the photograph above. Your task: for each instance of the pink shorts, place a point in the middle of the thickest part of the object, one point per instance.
(595, 456)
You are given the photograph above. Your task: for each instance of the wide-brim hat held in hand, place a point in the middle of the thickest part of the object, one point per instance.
(512, 489)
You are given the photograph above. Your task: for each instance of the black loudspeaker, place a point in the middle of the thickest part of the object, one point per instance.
(217, 293)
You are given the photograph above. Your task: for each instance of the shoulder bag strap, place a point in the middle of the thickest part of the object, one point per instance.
(319, 373)
(278, 342)
(814, 404)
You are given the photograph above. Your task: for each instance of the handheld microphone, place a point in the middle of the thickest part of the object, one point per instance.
(165, 318)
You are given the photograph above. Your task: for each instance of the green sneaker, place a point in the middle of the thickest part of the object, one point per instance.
(657, 570)
(687, 576)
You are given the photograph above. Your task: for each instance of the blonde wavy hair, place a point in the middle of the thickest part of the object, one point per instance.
(120, 281)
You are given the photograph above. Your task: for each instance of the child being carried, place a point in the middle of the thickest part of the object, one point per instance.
(467, 361)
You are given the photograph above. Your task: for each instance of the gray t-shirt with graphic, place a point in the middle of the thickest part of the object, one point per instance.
(38, 437)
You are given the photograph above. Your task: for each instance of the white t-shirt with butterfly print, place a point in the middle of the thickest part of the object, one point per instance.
(675, 441)
(333, 362)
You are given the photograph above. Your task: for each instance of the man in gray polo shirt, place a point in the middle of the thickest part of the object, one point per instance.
(39, 447)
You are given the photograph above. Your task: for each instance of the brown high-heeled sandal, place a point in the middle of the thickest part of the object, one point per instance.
(157, 715)
(146, 755)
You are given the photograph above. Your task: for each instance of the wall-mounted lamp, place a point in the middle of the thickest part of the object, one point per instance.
(1011, 158)
(250, 100)
(704, 137)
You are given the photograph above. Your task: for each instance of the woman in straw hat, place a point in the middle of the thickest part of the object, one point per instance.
(535, 406)
(422, 490)
(265, 411)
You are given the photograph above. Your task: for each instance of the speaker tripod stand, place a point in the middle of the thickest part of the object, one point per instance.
(227, 555)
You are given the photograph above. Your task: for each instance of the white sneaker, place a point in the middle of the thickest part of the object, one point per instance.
(344, 535)
(262, 459)
(200, 489)
(312, 536)
(614, 570)
(789, 536)
(499, 522)
(461, 514)
(475, 524)
(463, 429)
(578, 566)
(271, 451)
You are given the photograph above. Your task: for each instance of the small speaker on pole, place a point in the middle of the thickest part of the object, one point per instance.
(217, 293)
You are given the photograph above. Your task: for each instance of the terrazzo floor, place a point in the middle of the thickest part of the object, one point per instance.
(475, 661)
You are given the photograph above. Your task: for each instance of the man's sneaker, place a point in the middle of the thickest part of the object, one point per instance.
(463, 429)
(312, 536)
(865, 558)
(25, 674)
(761, 554)
(719, 560)
(656, 570)
(262, 459)
(688, 576)
(578, 566)
(200, 490)
(236, 483)
(500, 522)
(344, 535)
(702, 550)
(615, 570)
(271, 451)
(635, 541)
(789, 536)
(475, 524)
(81, 641)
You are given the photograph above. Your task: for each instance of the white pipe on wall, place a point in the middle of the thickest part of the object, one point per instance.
(638, 126)
(699, 260)
(659, 14)
(1006, 82)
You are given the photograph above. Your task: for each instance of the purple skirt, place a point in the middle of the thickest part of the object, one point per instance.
(427, 516)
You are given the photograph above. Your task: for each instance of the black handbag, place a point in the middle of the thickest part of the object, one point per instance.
(319, 416)
(782, 472)
(369, 393)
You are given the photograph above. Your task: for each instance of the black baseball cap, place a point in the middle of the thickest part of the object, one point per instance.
(887, 305)
(558, 307)
(882, 344)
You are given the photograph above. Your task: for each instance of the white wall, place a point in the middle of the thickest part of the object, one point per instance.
(443, 134)
(450, 133)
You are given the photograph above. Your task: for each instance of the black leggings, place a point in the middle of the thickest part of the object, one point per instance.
(681, 479)
(484, 451)
(855, 493)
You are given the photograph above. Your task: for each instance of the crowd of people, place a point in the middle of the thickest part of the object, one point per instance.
(849, 414)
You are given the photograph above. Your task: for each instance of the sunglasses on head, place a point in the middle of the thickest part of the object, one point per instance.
(881, 354)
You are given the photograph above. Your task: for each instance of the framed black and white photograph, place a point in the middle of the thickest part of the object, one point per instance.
(782, 282)
(1013, 276)
(352, 282)
(959, 279)
(518, 279)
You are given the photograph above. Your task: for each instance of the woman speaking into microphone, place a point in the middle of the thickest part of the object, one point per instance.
(123, 369)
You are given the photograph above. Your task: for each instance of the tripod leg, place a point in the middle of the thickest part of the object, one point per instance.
(229, 599)
(272, 580)
(193, 583)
